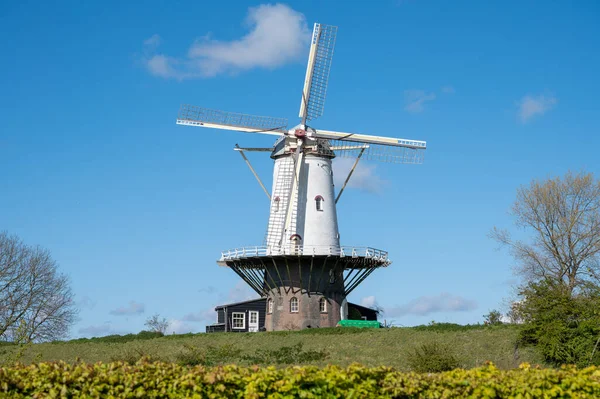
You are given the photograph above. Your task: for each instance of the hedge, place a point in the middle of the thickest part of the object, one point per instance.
(152, 380)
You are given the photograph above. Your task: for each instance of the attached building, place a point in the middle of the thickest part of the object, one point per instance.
(250, 316)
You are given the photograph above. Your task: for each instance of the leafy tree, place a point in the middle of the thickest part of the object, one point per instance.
(156, 324)
(36, 301)
(565, 328)
(493, 318)
(563, 217)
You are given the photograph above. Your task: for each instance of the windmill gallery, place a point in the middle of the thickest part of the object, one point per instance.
(301, 272)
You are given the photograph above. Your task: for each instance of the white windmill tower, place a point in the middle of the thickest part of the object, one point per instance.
(302, 269)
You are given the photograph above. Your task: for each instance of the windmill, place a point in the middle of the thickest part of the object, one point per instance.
(302, 269)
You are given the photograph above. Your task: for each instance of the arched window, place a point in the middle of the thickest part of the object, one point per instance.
(319, 202)
(270, 306)
(323, 305)
(296, 243)
(294, 305)
(276, 202)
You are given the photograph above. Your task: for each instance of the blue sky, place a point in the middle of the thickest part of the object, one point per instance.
(137, 209)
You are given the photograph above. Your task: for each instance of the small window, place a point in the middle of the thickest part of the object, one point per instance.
(238, 321)
(270, 306)
(319, 202)
(276, 202)
(323, 305)
(294, 305)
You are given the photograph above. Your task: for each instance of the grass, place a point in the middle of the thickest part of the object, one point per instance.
(471, 345)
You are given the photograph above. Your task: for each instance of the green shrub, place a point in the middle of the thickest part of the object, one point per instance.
(432, 357)
(446, 327)
(285, 355)
(142, 335)
(161, 380)
(208, 356)
(132, 355)
(332, 331)
(563, 327)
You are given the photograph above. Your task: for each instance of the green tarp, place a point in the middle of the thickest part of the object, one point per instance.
(359, 323)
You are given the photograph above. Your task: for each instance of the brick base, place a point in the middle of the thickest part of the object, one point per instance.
(307, 280)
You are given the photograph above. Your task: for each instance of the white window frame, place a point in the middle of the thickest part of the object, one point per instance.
(270, 306)
(294, 301)
(233, 314)
(323, 305)
(276, 202)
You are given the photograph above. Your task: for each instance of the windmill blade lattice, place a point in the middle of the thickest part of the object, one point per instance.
(317, 74)
(377, 152)
(193, 115)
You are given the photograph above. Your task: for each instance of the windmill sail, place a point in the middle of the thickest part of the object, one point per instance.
(377, 148)
(197, 116)
(317, 72)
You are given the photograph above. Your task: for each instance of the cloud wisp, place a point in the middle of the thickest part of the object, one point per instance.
(425, 305)
(532, 106)
(368, 301)
(277, 35)
(364, 177)
(133, 308)
(180, 327)
(206, 315)
(415, 100)
(86, 303)
(96, 330)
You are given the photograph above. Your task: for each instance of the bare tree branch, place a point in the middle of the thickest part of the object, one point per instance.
(36, 301)
(563, 217)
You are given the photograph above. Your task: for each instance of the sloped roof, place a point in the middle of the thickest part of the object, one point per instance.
(241, 303)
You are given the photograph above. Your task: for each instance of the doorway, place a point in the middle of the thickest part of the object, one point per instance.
(253, 321)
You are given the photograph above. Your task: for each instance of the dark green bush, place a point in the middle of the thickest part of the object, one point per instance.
(142, 335)
(432, 357)
(444, 327)
(563, 327)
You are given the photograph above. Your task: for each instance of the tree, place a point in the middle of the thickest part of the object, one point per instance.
(563, 215)
(36, 301)
(493, 318)
(565, 328)
(156, 324)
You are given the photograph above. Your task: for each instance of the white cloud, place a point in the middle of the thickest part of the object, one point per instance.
(415, 100)
(180, 327)
(95, 331)
(530, 106)
(431, 304)
(448, 90)
(363, 178)
(368, 301)
(278, 35)
(133, 308)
